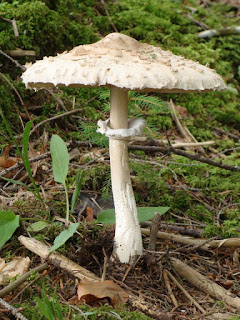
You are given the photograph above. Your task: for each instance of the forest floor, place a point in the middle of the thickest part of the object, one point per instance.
(186, 166)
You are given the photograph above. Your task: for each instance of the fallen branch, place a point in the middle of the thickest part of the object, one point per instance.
(22, 53)
(196, 157)
(198, 243)
(57, 259)
(13, 310)
(204, 284)
(13, 285)
(219, 32)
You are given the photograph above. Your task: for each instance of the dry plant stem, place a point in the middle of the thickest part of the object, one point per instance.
(128, 240)
(185, 292)
(204, 284)
(56, 258)
(13, 310)
(169, 289)
(12, 286)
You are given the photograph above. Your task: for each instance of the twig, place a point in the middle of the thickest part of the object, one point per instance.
(14, 25)
(13, 310)
(184, 130)
(196, 157)
(198, 23)
(204, 284)
(109, 17)
(185, 292)
(13, 60)
(219, 32)
(22, 279)
(229, 134)
(169, 289)
(56, 258)
(20, 164)
(68, 113)
(22, 53)
(55, 97)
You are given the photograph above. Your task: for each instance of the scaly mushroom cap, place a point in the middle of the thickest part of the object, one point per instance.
(121, 61)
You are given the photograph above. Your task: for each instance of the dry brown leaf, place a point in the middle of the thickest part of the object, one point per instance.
(17, 266)
(5, 160)
(89, 214)
(93, 291)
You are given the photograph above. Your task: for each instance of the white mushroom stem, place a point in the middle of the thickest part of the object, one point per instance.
(128, 240)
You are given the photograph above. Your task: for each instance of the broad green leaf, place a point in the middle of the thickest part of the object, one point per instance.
(64, 236)
(144, 213)
(60, 158)
(79, 181)
(37, 226)
(9, 222)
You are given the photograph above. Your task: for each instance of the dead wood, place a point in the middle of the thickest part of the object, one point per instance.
(219, 32)
(56, 258)
(198, 243)
(13, 285)
(204, 284)
(13, 310)
(21, 53)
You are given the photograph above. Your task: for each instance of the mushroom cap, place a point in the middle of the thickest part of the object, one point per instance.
(121, 61)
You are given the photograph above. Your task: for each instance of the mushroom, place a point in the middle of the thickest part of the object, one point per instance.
(122, 63)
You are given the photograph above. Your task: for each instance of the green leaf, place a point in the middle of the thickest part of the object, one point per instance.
(60, 158)
(79, 181)
(144, 213)
(37, 226)
(9, 222)
(64, 236)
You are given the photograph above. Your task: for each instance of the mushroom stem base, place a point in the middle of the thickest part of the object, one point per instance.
(128, 239)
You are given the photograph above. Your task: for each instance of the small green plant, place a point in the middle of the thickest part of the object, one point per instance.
(60, 164)
(51, 309)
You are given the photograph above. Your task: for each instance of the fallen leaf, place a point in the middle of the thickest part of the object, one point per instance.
(89, 214)
(94, 291)
(5, 160)
(17, 266)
